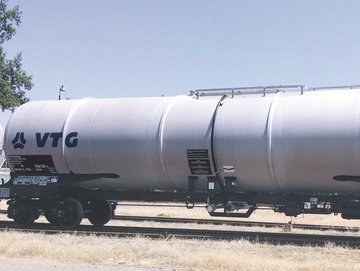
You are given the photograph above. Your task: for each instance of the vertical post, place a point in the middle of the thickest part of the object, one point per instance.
(191, 189)
(61, 89)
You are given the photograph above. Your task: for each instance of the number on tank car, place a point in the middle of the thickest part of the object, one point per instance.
(35, 180)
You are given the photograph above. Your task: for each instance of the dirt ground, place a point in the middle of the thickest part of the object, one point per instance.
(9, 264)
(258, 215)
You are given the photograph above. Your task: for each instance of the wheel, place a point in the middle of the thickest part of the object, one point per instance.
(50, 217)
(21, 214)
(100, 212)
(68, 213)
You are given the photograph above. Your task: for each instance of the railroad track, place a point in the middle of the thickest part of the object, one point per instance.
(237, 223)
(231, 223)
(155, 232)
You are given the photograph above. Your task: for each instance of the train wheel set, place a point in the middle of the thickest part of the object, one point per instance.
(66, 213)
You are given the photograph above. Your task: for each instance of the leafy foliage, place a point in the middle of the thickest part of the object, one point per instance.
(13, 79)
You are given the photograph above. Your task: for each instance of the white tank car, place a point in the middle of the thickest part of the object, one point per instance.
(264, 141)
(4, 170)
(2, 153)
(282, 142)
(144, 141)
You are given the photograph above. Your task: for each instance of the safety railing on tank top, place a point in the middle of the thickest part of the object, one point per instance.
(263, 90)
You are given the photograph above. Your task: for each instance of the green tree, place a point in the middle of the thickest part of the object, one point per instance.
(14, 82)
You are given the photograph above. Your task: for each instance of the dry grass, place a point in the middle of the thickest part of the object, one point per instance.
(175, 253)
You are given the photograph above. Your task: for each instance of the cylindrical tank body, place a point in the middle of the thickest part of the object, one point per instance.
(290, 143)
(284, 142)
(144, 141)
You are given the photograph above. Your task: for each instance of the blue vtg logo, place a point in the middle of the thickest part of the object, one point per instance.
(71, 139)
(19, 141)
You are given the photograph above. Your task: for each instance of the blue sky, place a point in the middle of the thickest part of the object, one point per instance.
(148, 48)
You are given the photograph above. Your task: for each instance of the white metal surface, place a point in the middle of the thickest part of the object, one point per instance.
(4, 169)
(142, 140)
(2, 154)
(291, 143)
(186, 126)
(280, 142)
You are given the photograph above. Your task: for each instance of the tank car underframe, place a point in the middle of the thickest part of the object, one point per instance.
(60, 205)
(66, 206)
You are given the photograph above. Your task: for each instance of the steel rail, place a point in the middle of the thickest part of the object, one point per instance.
(155, 232)
(231, 223)
(237, 223)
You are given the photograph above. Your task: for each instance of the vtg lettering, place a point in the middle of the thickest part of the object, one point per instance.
(71, 139)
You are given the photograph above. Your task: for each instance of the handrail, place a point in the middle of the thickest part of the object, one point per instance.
(246, 90)
(336, 87)
(262, 90)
